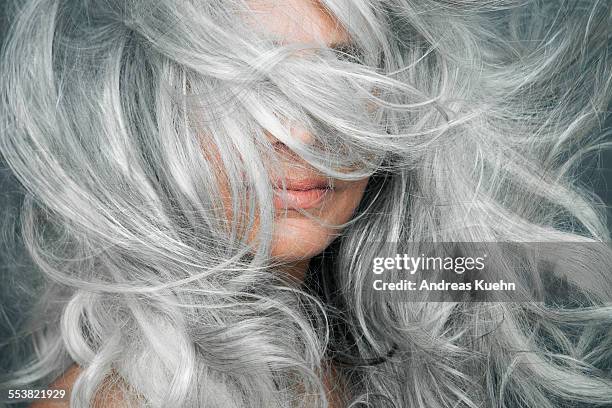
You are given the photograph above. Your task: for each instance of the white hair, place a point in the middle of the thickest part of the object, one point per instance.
(469, 116)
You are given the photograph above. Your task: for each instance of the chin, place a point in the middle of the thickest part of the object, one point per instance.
(299, 238)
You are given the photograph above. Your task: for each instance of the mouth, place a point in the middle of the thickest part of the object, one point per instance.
(303, 193)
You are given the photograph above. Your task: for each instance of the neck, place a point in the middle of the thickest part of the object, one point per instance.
(335, 388)
(297, 270)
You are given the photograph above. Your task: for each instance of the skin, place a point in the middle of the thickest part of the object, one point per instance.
(296, 237)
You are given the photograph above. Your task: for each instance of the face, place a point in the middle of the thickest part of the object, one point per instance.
(298, 237)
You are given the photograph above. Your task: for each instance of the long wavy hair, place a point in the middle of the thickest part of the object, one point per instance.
(469, 116)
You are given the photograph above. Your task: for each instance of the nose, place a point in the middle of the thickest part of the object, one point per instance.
(297, 132)
(300, 133)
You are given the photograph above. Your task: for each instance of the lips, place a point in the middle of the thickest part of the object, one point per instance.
(302, 193)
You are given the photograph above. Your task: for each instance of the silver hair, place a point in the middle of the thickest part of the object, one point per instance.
(470, 117)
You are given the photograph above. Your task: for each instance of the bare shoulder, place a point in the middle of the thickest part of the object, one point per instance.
(65, 381)
(110, 396)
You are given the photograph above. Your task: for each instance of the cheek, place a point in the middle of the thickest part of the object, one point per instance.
(297, 236)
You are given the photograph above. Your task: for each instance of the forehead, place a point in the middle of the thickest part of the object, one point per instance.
(290, 21)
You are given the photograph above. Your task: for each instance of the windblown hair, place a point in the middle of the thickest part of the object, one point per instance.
(119, 116)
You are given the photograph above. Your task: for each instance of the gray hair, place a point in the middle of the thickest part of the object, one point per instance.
(470, 117)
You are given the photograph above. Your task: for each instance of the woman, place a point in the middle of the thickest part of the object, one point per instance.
(209, 182)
